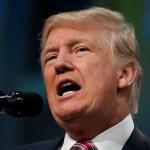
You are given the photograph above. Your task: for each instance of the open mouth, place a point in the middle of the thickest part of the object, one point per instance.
(67, 88)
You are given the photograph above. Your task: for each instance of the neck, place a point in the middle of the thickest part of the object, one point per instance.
(81, 130)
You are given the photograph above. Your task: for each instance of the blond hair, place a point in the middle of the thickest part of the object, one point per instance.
(123, 42)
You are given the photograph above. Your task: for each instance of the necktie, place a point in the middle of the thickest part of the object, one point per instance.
(86, 145)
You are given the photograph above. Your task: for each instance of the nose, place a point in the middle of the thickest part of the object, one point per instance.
(63, 63)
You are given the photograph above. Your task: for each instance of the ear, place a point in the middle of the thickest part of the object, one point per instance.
(126, 76)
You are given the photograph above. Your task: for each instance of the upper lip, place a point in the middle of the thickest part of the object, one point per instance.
(63, 81)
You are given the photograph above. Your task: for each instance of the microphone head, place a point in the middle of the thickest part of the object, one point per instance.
(23, 104)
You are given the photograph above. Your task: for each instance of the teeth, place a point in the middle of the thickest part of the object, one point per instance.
(66, 93)
(66, 84)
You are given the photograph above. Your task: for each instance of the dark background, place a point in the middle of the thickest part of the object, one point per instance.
(21, 22)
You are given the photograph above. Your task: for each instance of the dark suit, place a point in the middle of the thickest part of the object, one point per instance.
(137, 141)
(46, 145)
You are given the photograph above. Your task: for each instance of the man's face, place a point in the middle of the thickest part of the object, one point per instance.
(80, 77)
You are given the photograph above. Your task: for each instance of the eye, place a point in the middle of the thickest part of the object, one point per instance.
(50, 58)
(82, 49)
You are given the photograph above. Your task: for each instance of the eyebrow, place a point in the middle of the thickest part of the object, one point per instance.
(74, 41)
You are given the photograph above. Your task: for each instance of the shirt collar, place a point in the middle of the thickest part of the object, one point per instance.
(115, 136)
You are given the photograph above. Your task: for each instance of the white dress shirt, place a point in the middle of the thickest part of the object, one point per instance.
(112, 139)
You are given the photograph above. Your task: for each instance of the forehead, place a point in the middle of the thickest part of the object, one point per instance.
(67, 34)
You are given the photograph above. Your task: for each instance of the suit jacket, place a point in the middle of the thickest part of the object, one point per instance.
(137, 141)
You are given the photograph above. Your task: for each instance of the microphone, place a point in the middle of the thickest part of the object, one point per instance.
(21, 104)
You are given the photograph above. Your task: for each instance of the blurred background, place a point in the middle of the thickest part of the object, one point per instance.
(21, 22)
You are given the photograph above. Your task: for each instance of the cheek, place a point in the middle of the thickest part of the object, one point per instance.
(94, 71)
(49, 82)
(103, 92)
(101, 78)
(48, 75)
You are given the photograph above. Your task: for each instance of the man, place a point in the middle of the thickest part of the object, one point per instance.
(92, 73)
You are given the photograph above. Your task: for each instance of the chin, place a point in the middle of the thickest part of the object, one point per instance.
(66, 115)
